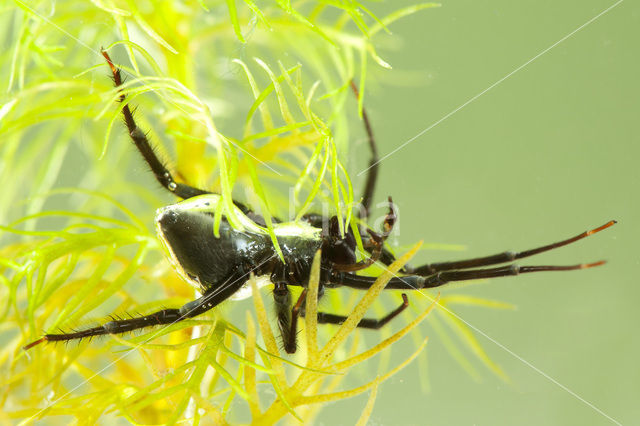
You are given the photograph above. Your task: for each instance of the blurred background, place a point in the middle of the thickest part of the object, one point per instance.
(550, 151)
(529, 138)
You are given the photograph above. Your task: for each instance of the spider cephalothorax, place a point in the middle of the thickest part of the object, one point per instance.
(219, 266)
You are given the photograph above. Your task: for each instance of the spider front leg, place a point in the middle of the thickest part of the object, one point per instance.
(504, 257)
(438, 274)
(417, 282)
(387, 258)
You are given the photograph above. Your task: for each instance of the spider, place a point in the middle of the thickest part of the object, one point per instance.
(220, 266)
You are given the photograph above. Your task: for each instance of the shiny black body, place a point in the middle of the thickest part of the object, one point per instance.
(219, 266)
(208, 260)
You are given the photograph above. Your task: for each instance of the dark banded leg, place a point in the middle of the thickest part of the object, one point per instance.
(370, 323)
(372, 171)
(507, 256)
(282, 299)
(416, 282)
(290, 339)
(141, 141)
(387, 258)
(163, 317)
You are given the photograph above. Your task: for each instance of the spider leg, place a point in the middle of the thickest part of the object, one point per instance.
(369, 323)
(164, 317)
(372, 171)
(438, 279)
(285, 315)
(376, 242)
(161, 173)
(387, 258)
(507, 256)
(288, 318)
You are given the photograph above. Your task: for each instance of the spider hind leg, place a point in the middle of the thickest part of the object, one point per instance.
(139, 138)
(162, 317)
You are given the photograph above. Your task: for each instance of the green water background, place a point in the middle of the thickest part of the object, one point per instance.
(547, 153)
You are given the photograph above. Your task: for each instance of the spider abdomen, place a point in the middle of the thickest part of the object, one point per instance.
(197, 254)
(205, 261)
